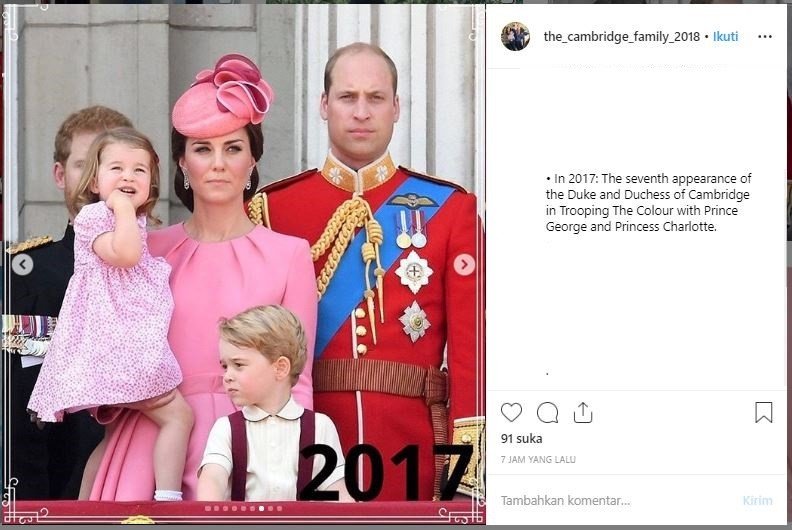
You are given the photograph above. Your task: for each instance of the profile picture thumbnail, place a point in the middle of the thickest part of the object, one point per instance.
(515, 36)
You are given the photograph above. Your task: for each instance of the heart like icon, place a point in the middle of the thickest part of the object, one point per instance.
(511, 411)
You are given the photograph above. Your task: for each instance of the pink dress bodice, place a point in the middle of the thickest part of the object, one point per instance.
(209, 281)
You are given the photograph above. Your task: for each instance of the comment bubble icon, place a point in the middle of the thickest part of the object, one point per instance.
(547, 412)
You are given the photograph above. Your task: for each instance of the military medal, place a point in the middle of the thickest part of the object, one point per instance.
(418, 238)
(37, 348)
(403, 240)
(414, 272)
(415, 322)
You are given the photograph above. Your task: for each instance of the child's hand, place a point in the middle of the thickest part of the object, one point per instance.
(123, 246)
(119, 199)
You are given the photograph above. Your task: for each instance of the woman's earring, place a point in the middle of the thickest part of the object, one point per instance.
(249, 183)
(186, 179)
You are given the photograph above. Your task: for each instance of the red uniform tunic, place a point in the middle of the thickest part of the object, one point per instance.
(451, 301)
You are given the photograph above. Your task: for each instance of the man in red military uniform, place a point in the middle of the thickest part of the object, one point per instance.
(399, 274)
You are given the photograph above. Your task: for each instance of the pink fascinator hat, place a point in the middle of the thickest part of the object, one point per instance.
(222, 100)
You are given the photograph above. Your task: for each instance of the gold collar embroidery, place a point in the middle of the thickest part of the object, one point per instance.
(366, 178)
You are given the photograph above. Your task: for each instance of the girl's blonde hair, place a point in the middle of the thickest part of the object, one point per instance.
(83, 195)
(272, 330)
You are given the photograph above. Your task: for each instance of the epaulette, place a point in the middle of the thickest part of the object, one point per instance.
(438, 180)
(257, 207)
(30, 244)
(269, 188)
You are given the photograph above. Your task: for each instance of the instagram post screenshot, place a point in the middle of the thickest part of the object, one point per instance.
(499, 263)
(244, 264)
(636, 296)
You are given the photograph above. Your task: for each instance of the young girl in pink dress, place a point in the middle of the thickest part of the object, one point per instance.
(110, 346)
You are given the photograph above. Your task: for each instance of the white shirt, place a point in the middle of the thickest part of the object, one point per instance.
(273, 449)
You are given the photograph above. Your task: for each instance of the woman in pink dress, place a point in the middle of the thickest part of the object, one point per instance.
(221, 265)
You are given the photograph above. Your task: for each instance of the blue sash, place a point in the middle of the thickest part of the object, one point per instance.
(345, 291)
